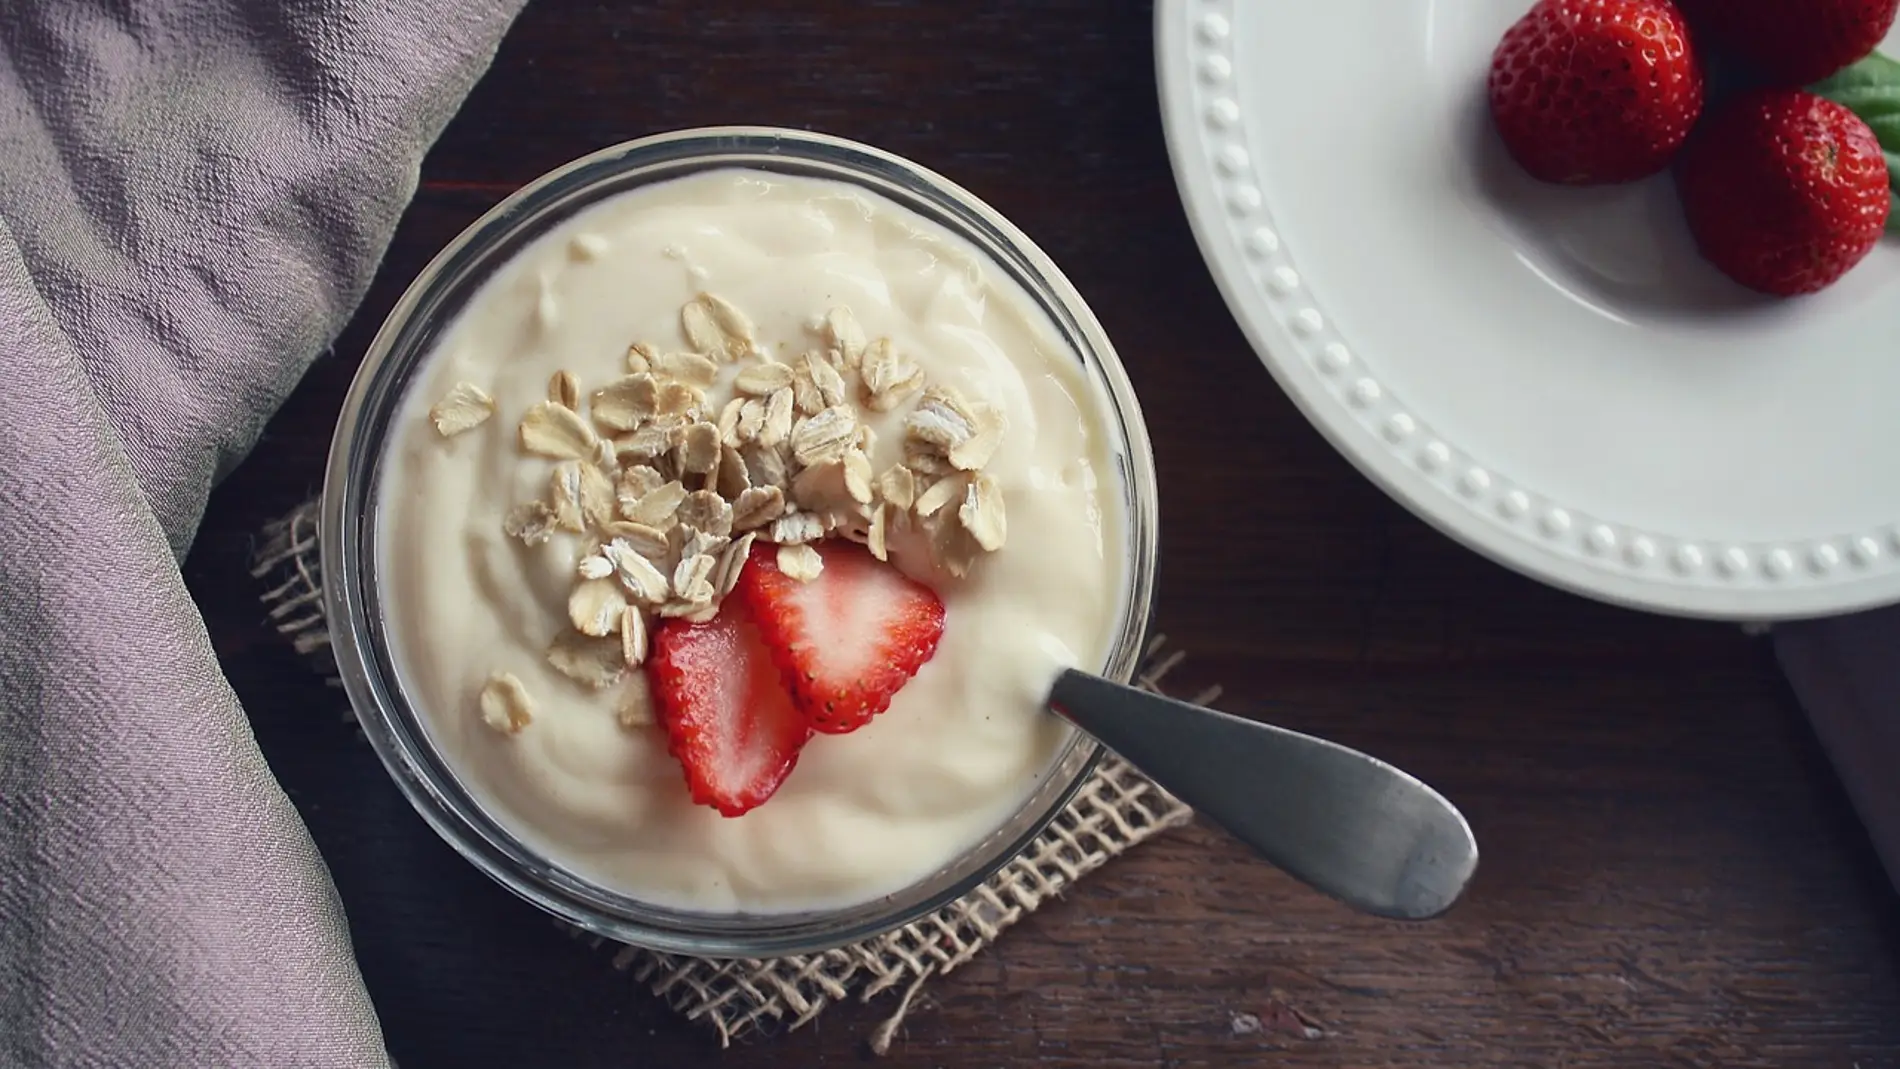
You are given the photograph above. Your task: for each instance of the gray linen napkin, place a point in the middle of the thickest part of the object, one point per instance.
(1846, 671)
(193, 196)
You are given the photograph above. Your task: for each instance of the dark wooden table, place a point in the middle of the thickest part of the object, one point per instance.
(1672, 876)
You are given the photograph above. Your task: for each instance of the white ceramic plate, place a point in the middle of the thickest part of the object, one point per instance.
(1551, 376)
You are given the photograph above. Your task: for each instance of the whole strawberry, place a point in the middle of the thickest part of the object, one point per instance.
(1784, 191)
(1587, 92)
(1793, 42)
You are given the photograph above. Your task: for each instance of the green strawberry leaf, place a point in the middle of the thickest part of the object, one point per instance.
(1871, 90)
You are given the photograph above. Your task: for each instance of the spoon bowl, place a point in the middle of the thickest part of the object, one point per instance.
(1345, 823)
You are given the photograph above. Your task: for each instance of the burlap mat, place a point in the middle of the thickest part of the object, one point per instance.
(1116, 808)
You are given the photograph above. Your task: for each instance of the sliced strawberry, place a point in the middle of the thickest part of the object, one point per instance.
(727, 716)
(848, 640)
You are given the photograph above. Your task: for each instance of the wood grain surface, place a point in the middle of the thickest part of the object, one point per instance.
(1671, 875)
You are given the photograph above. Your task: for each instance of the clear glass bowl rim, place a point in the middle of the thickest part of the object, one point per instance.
(346, 531)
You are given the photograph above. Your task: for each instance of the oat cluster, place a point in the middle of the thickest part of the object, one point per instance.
(668, 496)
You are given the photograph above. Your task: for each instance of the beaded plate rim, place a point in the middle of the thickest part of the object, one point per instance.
(1471, 500)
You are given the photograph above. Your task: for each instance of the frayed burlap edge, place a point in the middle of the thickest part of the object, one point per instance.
(1116, 808)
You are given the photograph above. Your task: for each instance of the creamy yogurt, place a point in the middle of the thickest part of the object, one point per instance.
(865, 814)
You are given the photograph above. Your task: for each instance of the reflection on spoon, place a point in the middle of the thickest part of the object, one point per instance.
(1349, 825)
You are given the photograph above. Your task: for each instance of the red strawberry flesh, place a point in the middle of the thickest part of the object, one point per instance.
(847, 641)
(727, 716)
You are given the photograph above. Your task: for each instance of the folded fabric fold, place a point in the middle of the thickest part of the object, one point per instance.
(193, 197)
(1846, 672)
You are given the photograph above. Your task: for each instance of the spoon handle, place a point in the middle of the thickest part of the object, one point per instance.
(1349, 825)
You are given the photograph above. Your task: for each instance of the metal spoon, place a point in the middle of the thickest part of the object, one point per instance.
(1347, 824)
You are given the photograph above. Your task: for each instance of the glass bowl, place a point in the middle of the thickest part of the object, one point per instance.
(350, 517)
